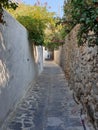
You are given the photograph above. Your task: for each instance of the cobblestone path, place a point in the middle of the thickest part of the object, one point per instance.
(48, 105)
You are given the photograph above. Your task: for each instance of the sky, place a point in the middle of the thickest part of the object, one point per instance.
(52, 5)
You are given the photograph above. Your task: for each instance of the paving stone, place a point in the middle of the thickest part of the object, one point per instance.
(54, 128)
(54, 121)
(15, 125)
(48, 105)
(27, 125)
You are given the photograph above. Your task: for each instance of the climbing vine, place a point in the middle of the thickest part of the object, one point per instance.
(85, 13)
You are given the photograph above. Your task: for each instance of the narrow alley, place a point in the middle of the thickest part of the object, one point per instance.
(48, 105)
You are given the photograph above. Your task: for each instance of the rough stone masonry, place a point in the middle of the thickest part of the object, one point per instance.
(81, 69)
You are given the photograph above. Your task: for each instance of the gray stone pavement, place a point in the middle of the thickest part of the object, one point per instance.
(48, 105)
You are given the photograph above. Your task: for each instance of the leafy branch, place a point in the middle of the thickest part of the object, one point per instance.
(85, 13)
(35, 19)
(6, 4)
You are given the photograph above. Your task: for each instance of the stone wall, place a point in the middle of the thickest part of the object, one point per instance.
(18, 67)
(80, 65)
(57, 56)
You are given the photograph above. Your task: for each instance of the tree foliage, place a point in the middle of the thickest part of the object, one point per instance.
(6, 4)
(85, 13)
(53, 35)
(35, 19)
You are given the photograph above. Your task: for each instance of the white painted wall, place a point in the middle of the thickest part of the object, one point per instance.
(46, 54)
(38, 56)
(18, 68)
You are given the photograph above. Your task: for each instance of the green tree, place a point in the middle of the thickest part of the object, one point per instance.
(53, 35)
(35, 19)
(6, 4)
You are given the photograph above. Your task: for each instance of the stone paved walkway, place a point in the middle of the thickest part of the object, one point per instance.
(48, 105)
